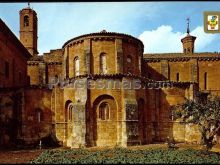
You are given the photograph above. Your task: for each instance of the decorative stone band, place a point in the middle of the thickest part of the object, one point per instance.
(182, 57)
(33, 63)
(145, 82)
(41, 86)
(54, 63)
(37, 63)
(148, 83)
(104, 36)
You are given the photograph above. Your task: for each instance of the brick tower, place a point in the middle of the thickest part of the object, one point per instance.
(188, 41)
(28, 29)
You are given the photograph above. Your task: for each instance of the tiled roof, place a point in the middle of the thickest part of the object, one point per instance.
(103, 33)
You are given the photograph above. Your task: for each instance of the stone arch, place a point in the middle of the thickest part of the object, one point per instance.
(105, 131)
(68, 122)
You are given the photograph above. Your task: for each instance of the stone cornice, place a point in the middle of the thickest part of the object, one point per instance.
(103, 36)
(176, 57)
(33, 63)
(43, 87)
(144, 80)
(54, 63)
(49, 63)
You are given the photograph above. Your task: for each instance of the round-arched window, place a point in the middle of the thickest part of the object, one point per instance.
(103, 64)
(70, 112)
(104, 111)
(26, 20)
(76, 66)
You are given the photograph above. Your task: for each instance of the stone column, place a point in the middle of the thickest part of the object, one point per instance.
(79, 116)
(119, 56)
(140, 59)
(194, 70)
(130, 132)
(87, 56)
(165, 70)
(42, 74)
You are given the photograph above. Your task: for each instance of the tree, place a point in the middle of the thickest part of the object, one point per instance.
(206, 114)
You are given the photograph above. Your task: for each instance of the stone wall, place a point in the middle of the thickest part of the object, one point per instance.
(11, 108)
(193, 70)
(37, 116)
(117, 49)
(13, 59)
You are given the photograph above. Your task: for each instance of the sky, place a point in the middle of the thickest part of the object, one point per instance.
(159, 25)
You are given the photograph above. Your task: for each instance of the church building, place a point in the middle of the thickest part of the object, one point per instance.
(97, 89)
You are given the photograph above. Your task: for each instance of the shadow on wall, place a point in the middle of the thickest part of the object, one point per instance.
(12, 134)
(158, 124)
(10, 118)
(154, 74)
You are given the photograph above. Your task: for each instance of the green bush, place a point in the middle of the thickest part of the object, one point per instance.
(127, 156)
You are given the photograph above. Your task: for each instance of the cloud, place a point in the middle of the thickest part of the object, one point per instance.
(203, 39)
(61, 22)
(165, 40)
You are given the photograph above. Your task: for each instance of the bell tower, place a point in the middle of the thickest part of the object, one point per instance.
(28, 29)
(188, 41)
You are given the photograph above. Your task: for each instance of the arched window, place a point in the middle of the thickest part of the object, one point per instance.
(67, 67)
(177, 77)
(129, 64)
(104, 111)
(70, 112)
(76, 66)
(103, 66)
(188, 50)
(205, 80)
(26, 20)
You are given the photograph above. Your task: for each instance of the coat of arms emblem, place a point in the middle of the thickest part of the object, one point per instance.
(213, 23)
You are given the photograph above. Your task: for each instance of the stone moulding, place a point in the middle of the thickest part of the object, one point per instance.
(183, 59)
(104, 36)
(144, 80)
(178, 57)
(54, 63)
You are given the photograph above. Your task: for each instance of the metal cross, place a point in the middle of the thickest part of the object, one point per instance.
(188, 19)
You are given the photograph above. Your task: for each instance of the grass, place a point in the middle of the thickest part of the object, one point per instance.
(127, 156)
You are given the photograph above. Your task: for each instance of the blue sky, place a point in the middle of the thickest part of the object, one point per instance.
(160, 25)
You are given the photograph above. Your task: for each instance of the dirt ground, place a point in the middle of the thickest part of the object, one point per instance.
(18, 157)
(25, 156)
